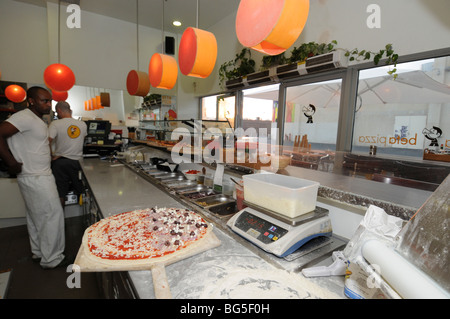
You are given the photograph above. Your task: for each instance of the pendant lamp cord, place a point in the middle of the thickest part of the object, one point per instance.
(196, 23)
(162, 28)
(137, 34)
(59, 31)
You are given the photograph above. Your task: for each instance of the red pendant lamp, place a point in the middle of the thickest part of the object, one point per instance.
(59, 77)
(270, 26)
(60, 96)
(15, 93)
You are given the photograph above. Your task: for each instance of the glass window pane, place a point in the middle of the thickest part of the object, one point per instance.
(312, 114)
(406, 115)
(227, 106)
(260, 107)
(209, 108)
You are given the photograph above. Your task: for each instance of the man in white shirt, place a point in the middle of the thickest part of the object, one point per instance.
(25, 149)
(67, 137)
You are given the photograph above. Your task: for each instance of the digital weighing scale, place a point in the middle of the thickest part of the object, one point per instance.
(278, 234)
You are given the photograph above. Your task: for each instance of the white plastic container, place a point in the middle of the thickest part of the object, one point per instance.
(286, 195)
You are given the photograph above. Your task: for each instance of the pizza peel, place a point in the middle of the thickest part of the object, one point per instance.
(157, 266)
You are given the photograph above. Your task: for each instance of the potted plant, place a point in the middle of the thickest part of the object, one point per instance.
(310, 49)
(269, 61)
(242, 65)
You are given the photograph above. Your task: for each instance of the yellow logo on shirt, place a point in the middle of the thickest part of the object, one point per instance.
(73, 131)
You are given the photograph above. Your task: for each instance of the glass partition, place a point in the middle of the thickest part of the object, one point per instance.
(220, 107)
(260, 107)
(312, 114)
(390, 130)
(406, 115)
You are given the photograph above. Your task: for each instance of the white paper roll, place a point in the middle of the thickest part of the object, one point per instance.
(406, 279)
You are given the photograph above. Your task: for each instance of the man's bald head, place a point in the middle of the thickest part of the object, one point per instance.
(63, 109)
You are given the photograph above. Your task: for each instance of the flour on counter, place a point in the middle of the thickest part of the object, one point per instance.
(265, 284)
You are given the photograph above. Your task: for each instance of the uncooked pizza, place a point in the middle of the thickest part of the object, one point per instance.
(142, 235)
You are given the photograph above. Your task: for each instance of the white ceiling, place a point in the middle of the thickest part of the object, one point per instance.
(151, 11)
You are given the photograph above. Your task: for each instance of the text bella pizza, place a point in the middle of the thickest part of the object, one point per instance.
(387, 140)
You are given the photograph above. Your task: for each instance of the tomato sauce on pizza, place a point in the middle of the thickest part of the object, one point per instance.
(145, 233)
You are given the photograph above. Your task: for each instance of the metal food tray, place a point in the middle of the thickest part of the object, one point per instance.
(193, 196)
(213, 200)
(171, 178)
(167, 175)
(156, 172)
(179, 184)
(224, 209)
(193, 189)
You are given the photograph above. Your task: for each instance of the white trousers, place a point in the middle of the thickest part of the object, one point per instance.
(45, 218)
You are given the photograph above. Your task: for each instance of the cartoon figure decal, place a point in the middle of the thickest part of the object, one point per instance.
(432, 134)
(309, 111)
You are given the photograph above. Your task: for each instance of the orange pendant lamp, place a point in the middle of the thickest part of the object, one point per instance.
(99, 102)
(59, 77)
(198, 53)
(59, 96)
(163, 71)
(270, 26)
(15, 93)
(138, 83)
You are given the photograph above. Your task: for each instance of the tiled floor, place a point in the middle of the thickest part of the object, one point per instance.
(28, 280)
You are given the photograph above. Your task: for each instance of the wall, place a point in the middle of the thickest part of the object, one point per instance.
(410, 25)
(103, 50)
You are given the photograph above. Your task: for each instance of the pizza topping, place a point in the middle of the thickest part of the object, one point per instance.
(147, 233)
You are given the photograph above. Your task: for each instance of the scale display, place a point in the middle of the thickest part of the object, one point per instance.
(258, 228)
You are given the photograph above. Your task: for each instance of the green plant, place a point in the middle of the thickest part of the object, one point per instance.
(242, 65)
(152, 97)
(310, 49)
(273, 60)
(388, 53)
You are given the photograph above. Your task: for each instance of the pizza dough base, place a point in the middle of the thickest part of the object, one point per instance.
(147, 261)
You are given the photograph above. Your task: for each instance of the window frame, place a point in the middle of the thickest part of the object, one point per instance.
(348, 102)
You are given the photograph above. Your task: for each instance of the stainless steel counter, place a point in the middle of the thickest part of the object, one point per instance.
(117, 189)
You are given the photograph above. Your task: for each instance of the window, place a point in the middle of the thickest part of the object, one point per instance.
(226, 108)
(312, 114)
(219, 107)
(406, 115)
(260, 107)
(209, 107)
(329, 120)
